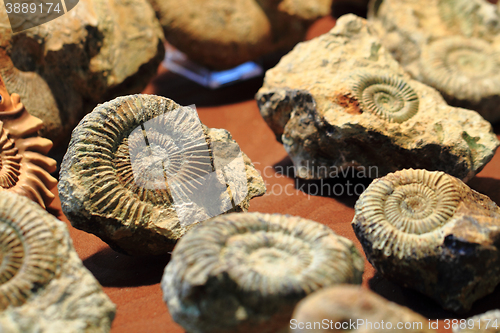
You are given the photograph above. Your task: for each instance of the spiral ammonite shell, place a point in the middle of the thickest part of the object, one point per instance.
(404, 211)
(137, 172)
(389, 97)
(245, 272)
(463, 68)
(28, 256)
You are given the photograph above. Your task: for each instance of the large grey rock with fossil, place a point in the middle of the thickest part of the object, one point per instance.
(141, 170)
(431, 232)
(452, 45)
(98, 50)
(44, 286)
(341, 100)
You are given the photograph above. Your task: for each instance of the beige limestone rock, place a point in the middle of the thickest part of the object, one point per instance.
(245, 272)
(224, 33)
(429, 231)
(488, 322)
(140, 170)
(341, 100)
(44, 286)
(452, 45)
(63, 68)
(348, 308)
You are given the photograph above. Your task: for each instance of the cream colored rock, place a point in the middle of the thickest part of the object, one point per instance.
(141, 170)
(429, 231)
(348, 308)
(488, 322)
(63, 68)
(452, 45)
(245, 272)
(44, 286)
(224, 33)
(341, 100)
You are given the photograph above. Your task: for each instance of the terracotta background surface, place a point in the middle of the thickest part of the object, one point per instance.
(133, 283)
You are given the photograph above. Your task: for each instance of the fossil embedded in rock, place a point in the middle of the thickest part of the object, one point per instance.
(464, 68)
(431, 232)
(23, 167)
(63, 68)
(224, 33)
(452, 45)
(44, 286)
(341, 101)
(245, 272)
(347, 308)
(140, 170)
(389, 97)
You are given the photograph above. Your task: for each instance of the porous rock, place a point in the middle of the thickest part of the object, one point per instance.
(452, 45)
(44, 286)
(98, 50)
(140, 170)
(341, 100)
(245, 272)
(224, 33)
(431, 232)
(347, 308)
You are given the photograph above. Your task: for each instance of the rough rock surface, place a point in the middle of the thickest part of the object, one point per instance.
(341, 100)
(245, 272)
(431, 232)
(44, 286)
(488, 322)
(224, 33)
(345, 304)
(452, 45)
(140, 170)
(63, 68)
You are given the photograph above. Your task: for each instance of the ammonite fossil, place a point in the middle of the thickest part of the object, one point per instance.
(348, 308)
(63, 68)
(140, 170)
(464, 68)
(430, 231)
(28, 256)
(387, 96)
(245, 272)
(23, 167)
(44, 286)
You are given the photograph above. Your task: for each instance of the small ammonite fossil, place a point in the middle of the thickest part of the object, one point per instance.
(244, 272)
(463, 68)
(24, 168)
(430, 231)
(141, 169)
(349, 308)
(28, 256)
(387, 96)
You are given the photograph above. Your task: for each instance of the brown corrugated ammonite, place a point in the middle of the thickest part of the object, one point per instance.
(245, 272)
(431, 232)
(44, 286)
(28, 256)
(465, 68)
(138, 169)
(24, 168)
(387, 96)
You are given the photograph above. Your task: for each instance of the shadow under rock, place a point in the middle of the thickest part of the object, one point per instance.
(426, 306)
(113, 269)
(345, 187)
(356, 7)
(487, 186)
